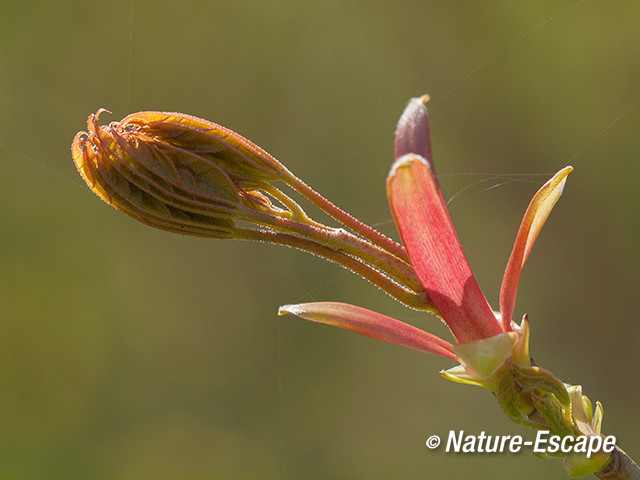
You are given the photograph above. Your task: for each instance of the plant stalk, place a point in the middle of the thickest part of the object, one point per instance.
(406, 296)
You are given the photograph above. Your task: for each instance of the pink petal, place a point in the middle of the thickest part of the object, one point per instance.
(371, 324)
(534, 218)
(434, 249)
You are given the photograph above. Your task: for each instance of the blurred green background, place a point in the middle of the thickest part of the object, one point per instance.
(130, 353)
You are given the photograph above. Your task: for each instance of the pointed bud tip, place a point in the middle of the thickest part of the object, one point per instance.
(412, 132)
(286, 310)
(566, 171)
(560, 177)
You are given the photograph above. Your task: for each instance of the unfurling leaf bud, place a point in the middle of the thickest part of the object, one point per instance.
(187, 175)
(172, 171)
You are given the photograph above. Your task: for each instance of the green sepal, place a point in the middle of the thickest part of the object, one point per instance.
(459, 374)
(482, 361)
(483, 357)
(577, 465)
(596, 423)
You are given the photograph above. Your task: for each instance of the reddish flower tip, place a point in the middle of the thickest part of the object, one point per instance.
(412, 132)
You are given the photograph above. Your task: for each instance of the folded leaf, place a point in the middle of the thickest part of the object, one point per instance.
(434, 249)
(534, 218)
(371, 324)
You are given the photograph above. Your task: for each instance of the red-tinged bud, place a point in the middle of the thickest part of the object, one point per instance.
(412, 132)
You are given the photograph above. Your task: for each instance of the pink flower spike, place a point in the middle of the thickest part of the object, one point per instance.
(434, 249)
(371, 324)
(532, 222)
